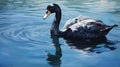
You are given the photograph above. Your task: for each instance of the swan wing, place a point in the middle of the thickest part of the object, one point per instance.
(86, 28)
(73, 21)
(88, 25)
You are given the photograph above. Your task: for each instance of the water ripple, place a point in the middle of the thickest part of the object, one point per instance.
(23, 32)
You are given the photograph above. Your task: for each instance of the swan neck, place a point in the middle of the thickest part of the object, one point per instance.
(56, 22)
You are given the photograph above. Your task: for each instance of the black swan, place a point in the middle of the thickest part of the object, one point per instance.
(79, 27)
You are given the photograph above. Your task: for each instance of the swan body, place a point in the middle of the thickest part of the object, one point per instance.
(79, 27)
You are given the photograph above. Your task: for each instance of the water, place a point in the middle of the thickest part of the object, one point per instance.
(25, 37)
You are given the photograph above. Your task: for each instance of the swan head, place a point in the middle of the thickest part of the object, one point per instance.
(52, 8)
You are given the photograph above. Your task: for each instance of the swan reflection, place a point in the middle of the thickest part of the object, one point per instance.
(91, 46)
(86, 45)
(54, 60)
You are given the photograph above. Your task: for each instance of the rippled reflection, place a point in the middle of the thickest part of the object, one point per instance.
(54, 60)
(81, 45)
(91, 46)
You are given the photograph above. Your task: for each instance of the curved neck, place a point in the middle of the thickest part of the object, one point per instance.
(56, 22)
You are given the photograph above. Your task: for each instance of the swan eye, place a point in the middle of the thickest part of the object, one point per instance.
(51, 9)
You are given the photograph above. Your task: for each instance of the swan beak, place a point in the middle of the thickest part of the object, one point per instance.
(47, 14)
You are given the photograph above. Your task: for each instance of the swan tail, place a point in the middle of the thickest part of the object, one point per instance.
(107, 29)
(115, 25)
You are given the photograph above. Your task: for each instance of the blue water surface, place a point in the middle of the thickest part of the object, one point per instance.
(25, 37)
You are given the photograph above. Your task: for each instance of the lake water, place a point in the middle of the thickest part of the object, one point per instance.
(25, 37)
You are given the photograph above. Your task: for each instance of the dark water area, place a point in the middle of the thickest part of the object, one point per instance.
(25, 38)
